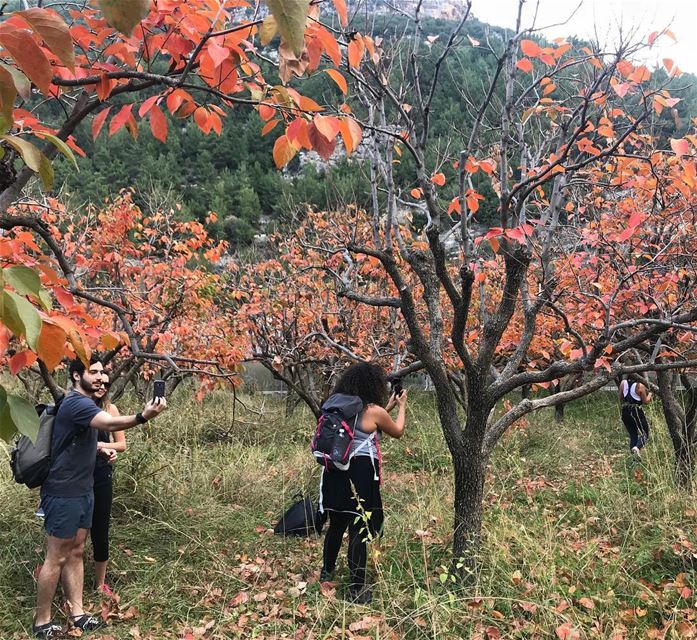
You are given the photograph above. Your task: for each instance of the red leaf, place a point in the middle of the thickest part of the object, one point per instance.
(217, 53)
(438, 179)
(320, 144)
(147, 105)
(28, 55)
(158, 124)
(98, 122)
(104, 87)
(21, 360)
(64, 297)
(120, 119)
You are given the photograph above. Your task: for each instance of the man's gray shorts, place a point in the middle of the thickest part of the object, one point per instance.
(64, 516)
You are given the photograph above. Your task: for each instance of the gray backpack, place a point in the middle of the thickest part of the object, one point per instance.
(31, 461)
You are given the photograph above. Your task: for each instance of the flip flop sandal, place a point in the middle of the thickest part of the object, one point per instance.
(86, 622)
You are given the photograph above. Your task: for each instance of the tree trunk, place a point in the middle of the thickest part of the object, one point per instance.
(469, 468)
(681, 424)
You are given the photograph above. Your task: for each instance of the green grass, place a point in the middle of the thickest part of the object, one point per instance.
(575, 533)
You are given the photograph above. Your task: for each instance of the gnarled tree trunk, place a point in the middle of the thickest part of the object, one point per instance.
(681, 421)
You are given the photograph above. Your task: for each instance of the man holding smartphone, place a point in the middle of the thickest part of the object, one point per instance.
(67, 497)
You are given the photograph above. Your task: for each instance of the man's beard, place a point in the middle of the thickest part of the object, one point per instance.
(89, 388)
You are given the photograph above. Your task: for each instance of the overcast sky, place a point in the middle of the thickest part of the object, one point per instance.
(605, 16)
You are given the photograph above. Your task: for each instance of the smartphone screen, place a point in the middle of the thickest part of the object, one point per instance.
(159, 391)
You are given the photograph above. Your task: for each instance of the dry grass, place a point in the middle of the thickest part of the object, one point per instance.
(575, 535)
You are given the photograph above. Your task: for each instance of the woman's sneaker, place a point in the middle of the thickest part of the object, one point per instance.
(360, 596)
(48, 631)
(326, 576)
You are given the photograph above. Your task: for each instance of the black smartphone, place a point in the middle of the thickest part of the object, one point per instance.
(397, 387)
(159, 389)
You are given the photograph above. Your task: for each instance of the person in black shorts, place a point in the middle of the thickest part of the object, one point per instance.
(67, 497)
(103, 487)
(632, 396)
(352, 497)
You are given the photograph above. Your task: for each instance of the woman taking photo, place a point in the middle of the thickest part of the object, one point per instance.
(340, 489)
(107, 450)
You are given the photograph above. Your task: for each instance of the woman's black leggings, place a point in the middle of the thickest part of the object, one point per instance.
(357, 548)
(636, 424)
(103, 495)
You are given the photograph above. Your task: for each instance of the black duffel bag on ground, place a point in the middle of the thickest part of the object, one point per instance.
(301, 519)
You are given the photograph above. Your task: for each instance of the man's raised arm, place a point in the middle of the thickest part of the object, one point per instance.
(106, 422)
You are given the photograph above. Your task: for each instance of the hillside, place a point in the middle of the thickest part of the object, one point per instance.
(234, 174)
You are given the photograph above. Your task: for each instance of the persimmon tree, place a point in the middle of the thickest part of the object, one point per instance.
(562, 138)
(112, 63)
(303, 317)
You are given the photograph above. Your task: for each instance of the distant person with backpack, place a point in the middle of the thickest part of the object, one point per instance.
(103, 487)
(67, 497)
(350, 492)
(632, 396)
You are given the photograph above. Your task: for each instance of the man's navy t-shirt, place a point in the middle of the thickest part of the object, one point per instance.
(71, 473)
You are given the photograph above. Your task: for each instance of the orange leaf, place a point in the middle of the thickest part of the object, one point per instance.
(350, 133)
(80, 346)
(339, 79)
(28, 55)
(524, 65)
(53, 31)
(98, 122)
(586, 603)
(21, 360)
(158, 124)
(269, 126)
(640, 74)
(110, 340)
(283, 151)
(416, 193)
(327, 126)
(680, 146)
(201, 119)
(340, 6)
(438, 179)
(51, 344)
(530, 48)
(356, 49)
(298, 132)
